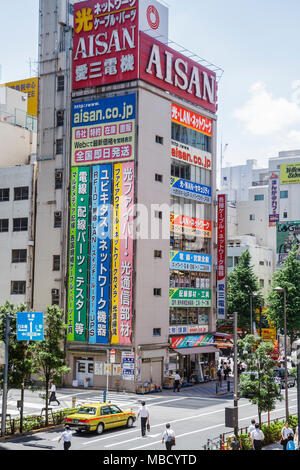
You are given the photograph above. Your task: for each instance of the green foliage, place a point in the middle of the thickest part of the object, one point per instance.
(241, 284)
(288, 278)
(245, 442)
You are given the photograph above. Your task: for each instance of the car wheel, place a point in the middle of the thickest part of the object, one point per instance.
(130, 422)
(100, 428)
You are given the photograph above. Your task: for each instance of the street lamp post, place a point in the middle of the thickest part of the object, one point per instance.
(282, 289)
(5, 377)
(296, 345)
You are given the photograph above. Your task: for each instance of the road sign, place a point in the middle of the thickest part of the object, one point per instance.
(112, 356)
(30, 326)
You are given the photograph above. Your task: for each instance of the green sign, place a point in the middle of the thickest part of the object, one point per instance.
(190, 297)
(78, 254)
(288, 237)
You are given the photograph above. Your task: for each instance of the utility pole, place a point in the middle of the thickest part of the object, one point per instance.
(235, 368)
(5, 377)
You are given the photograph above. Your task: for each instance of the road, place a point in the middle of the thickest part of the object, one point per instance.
(194, 417)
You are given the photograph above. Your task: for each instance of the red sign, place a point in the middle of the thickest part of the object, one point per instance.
(194, 121)
(190, 225)
(173, 72)
(105, 48)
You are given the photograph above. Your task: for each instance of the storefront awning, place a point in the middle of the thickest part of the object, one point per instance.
(201, 350)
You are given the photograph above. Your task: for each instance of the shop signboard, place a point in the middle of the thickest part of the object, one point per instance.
(30, 86)
(105, 45)
(122, 255)
(185, 261)
(153, 18)
(192, 120)
(103, 131)
(175, 73)
(274, 198)
(221, 256)
(127, 365)
(189, 190)
(187, 154)
(100, 254)
(288, 237)
(78, 255)
(290, 173)
(191, 341)
(187, 329)
(189, 298)
(190, 225)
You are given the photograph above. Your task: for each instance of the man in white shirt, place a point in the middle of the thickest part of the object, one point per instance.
(257, 436)
(177, 381)
(251, 427)
(53, 395)
(169, 437)
(66, 437)
(286, 431)
(144, 414)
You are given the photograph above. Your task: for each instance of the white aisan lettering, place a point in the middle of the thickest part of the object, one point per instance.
(209, 88)
(155, 60)
(195, 80)
(169, 63)
(105, 44)
(182, 74)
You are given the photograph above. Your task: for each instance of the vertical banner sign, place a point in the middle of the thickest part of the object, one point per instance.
(122, 253)
(274, 198)
(105, 42)
(79, 266)
(100, 254)
(221, 258)
(72, 243)
(116, 254)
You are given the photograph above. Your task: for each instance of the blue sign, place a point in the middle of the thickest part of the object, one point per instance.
(185, 261)
(30, 326)
(100, 254)
(127, 366)
(190, 190)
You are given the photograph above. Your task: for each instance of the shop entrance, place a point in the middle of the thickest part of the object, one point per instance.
(85, 372)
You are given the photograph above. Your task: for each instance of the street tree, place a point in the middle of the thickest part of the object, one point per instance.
(258, 384)
(242, 284)
(49, 355)
(20, 365)
(288, 278)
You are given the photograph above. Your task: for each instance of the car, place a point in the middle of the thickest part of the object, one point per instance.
(100, 416)
(280, 379)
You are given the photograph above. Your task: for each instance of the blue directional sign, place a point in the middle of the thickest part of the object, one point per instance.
(30, 326)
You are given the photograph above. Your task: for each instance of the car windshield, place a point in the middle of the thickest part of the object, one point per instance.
(87, 410)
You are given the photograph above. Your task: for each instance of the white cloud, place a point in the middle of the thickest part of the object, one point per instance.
(265, 115)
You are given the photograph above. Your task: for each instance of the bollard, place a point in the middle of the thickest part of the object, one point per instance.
(216, 389)
(228, 386)
(104, 396)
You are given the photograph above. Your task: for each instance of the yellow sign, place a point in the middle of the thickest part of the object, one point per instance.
(290, 173)
(31, 87)
(268, 334)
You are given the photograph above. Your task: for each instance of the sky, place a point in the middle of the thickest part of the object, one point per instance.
(255, 42)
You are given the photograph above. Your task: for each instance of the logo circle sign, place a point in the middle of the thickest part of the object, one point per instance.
(153, 17)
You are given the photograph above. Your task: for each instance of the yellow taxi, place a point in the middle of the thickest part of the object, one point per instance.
(99, 417)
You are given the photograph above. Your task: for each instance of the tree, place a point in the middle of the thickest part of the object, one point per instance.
(288, 278)
(20, 364)
(241, 285)
(49, 356)
(258, 384)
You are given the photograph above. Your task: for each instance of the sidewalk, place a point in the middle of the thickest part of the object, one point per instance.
(206, 389)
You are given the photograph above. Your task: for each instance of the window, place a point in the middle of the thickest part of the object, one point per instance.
(230, 262)
(156, 332)
(3, 225)
(60, 83)
(105, 410)
(20, 225)
(261, 263)
(157, 291)
(236, 260)
(19, 256)
(18, 287)
(284, 194)
(157, 254)
(158, 214)
(59, 146)
(57, 219)
(4, 194)
(285, 215)
(259, 197)
(21, 194)
(60, 118)
(55, 296)
(159, 139)
(115, 410)
(158, 178)
(58, 179)
(261, 282)
(56, 262)
(252, 217)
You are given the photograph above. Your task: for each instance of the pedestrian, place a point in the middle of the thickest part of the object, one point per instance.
(291, 444)
(53, 394)
(169, 437)
(177, 382)
(286, 431)
(257, 436)
(219, 374)
(235, 444)
(251, 428)
(144, 414)
(66, 436)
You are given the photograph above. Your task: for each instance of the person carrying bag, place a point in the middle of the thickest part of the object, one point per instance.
(169, 437)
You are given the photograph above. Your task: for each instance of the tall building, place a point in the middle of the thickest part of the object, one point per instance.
(131, 224)
(18, 172)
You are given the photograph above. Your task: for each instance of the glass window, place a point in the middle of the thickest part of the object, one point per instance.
(20, 225)
(229, 262)
(58, 179)
(87, 410)
(56, 263)
(21, 194)
(19, 256)
(57, 219)
(115, 410)
(4, 225)
(105, 410)
(18, 287)
(55, 296)
(284, 194)
(60, 83)
(4, 194)
(259, 197)
(59, 146)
